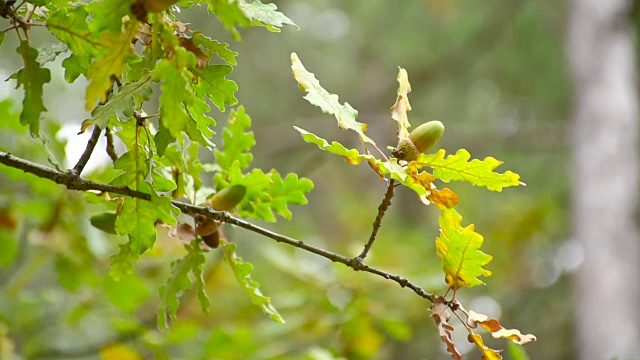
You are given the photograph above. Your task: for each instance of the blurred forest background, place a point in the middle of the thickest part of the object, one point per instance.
(496, 73)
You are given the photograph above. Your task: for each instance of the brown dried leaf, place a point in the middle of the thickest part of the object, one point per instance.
(400, 108)
(440, 314)
(180, 26)
(496, 330)
(423, 177)
(144, 34)
(444, 198)
(185, 232)
(203, 59)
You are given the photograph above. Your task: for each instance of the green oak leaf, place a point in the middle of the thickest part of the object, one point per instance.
(107, 14)
(170, 293)
(32, 78)
(198, 129)
(122, 101)
(478, 172)
(110, 63)
(264, 14)
(458, 250)
(198, 273)
(215, 47)
(242, 271)
(236, 141)
(185, 167)
(318, 96)
(137, 219)
(74, 66)
(49, 52)
(135, 164)
(229, 14)
(182, 106)
(269, 192)
(179, 282)
(176, 90)
(213, 84)
(351, 156)
(70, 26)
(194, 166)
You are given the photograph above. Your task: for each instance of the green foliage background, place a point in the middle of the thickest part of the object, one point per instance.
(493, 73)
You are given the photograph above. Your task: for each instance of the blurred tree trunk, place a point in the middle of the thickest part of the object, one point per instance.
(605, 143)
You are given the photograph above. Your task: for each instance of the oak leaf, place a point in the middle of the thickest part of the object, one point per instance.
(478, 172)
(496, 330)
(401, 107)
(458, 250)
(318, 96)
(441, 315)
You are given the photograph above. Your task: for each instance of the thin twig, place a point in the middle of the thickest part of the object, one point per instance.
(86, 155)
(18, 6)
(381, 153)
(30, 14)
(73, 182)
(384, 205)
(9, 28)
(149, 116)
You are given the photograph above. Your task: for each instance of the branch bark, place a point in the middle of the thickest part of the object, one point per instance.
(86, 155)
(74, 182)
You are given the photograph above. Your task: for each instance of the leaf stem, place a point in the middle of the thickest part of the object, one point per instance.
(74, 182)
(381, 153)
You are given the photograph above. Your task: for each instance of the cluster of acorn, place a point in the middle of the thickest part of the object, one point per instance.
(419, 140)
(409, 148)
(224, 200)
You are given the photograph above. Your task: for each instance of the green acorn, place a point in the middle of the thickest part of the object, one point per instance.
(227, 199)
(419, 140)
(105, 222)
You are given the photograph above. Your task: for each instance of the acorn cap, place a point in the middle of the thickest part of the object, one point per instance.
(205, 226)
(226, 199)
(405, 150)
